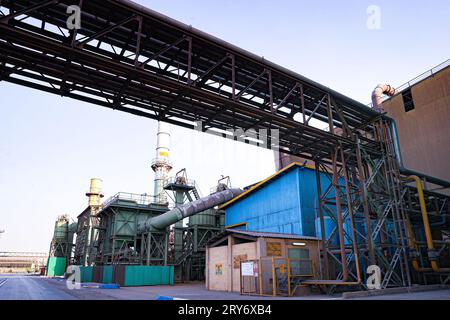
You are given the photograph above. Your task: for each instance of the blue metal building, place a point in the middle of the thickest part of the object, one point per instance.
(286, 202)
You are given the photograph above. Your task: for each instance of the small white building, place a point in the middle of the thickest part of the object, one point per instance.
(248, 262)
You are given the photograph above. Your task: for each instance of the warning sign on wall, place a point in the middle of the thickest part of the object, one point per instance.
(248, 269)
(273, 249)
(237, 260)
(219, 269)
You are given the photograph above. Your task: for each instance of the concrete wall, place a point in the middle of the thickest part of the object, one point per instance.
(424, 132)
(226, 256)
(217, 256)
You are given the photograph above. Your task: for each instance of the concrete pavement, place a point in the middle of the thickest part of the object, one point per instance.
(28, 287)
(20, 287)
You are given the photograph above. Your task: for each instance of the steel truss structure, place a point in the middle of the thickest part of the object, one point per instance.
(132, 59)
(364, 193)
(154, 247)
(192, 254)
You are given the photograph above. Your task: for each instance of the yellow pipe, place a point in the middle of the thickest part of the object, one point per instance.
(426, 222)
(241, 224)
(412, 244)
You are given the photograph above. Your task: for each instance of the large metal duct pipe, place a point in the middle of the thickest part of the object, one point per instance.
(187, 210)
(377, 95)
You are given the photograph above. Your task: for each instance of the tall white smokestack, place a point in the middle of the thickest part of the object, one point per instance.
(161, 164)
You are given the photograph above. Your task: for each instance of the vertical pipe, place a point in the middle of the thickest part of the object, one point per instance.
(339, 216)
(412, 244)
(426, 222)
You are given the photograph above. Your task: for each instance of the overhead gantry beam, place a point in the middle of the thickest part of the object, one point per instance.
(132, 59)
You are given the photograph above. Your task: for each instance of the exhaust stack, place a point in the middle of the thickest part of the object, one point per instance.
(161, 164)
(95, 192)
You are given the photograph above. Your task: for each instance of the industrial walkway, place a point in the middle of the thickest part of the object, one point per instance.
(29, 287)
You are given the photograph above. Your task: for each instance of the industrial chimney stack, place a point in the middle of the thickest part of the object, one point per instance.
(161, 164)
(95, 192)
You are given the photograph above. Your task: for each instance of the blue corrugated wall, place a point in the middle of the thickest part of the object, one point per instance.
(284, 205)
(273, 208)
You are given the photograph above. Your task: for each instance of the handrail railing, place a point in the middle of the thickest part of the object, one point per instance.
(139, 199)
(23, 254)
(418, 79)
(179, 181)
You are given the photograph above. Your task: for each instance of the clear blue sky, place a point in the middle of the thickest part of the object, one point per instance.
(51, 146)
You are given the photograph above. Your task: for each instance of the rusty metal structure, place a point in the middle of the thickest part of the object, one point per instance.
(129, 58)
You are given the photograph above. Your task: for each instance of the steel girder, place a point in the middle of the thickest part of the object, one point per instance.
(132, 60)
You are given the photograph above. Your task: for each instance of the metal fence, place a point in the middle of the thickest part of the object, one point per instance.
(138, 199)
(274, 276)
(424, 75)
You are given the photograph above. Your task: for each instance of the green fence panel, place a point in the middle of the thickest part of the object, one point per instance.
(107, 274)
(148, 275)
(86, 274)
(56, 266)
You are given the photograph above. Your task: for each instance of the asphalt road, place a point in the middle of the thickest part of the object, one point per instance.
(28, 287)
(24, 287)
